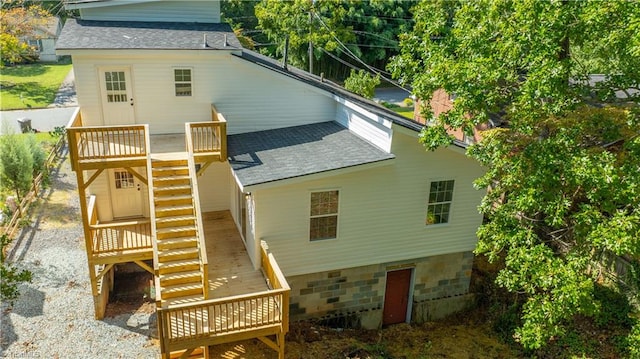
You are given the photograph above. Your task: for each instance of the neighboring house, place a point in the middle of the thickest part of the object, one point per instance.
(44, 39)
(254, 192)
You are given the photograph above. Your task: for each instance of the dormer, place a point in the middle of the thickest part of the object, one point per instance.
(202, 11)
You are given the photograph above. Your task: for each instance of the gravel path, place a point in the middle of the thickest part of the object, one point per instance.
(54, 316)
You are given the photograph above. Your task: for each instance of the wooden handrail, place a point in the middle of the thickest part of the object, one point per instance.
(73, 138)
(208, 136)
(195, 195)
(104, 142)
(119, 224)
(152, 219)
(278, 281)
(219, 316)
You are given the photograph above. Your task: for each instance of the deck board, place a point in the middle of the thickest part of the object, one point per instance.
(230, 269)
(123, 241)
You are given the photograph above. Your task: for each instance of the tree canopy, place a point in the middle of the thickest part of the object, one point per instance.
(18, 20)
(367, 29)
(563, 162)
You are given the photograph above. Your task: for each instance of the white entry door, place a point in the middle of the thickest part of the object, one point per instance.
(126, 194)
(117, 96)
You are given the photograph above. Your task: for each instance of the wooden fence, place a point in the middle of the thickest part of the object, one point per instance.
(23, 207)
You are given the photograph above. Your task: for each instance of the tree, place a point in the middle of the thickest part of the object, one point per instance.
(19, 20)
(11, 276)
(346, 29)
(563, 164)
(16, 164)
(362, 83)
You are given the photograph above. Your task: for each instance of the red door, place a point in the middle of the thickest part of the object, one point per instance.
(396, 297)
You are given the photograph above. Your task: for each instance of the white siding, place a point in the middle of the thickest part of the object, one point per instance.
(100, 188)
(168, 11)
(48, 51)
(382, 213)
(214, 188)
(364, 123)
(251, 98)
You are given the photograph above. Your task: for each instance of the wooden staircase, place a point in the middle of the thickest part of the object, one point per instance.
(180, 276)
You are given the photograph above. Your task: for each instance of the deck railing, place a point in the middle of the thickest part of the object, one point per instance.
(211, 136)
(104, 142)
(188, 325)
(118, 236)
(195, 196)
(115, 237)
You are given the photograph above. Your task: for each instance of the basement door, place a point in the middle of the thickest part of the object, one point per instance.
(126, 194)
(396, 297)
(117, 96)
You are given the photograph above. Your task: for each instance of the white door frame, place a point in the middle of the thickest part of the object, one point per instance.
(126, 194)
(117, 103)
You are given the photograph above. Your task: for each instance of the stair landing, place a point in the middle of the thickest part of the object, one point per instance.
(230, 269)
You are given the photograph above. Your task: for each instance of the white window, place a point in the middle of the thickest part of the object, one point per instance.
(123, 179)
(439, 204)
(116, 86)
(323, 215)
(183, 83)
(37, 44)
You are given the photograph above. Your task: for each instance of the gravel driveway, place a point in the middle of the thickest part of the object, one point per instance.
(54, 316)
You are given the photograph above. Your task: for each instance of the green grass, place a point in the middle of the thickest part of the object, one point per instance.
(30, 86)
(403, 111)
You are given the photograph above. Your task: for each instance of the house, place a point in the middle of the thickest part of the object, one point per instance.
(44, 39)
(254, 192)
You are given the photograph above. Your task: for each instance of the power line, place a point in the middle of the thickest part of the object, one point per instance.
(353, 56)
(340, 60)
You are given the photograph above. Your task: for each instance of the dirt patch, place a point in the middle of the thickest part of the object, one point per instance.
(130, 294)
(455, 337)
(56, 211)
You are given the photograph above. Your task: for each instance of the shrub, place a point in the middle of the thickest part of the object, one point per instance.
(362, 83)
(16, 164)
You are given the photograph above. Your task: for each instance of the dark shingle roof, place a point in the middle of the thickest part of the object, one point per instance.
(273, 155)
(87, 34)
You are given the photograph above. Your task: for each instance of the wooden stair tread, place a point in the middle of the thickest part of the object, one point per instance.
(178, 264)
(185, 299)
(177, 242)
(170, 196)
(176, 229)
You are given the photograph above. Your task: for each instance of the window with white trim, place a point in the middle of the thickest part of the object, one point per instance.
(182, 78)
(439, 203)
(323, 222)
(123, 179)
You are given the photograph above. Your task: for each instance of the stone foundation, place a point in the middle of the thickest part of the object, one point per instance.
(354, 297)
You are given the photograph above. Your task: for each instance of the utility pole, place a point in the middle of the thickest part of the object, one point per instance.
(310, 42)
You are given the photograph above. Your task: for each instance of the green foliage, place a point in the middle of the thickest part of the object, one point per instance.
(11, 276)
(369, 29)
(563, 168)
(37, 154)
(19, 20)
(633, 341)
(362, 83)
(614, 308)
(16, 164)
(13, 51)
(58, 132)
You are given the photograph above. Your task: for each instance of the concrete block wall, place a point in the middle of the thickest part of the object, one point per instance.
(360, 291)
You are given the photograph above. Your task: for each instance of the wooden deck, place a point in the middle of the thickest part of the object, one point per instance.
(122, 238)
(230, 269)
(240, 306)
